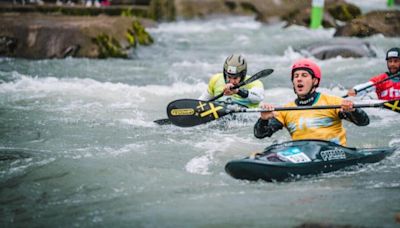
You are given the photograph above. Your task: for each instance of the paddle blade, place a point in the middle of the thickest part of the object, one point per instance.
(392, 105)
(162, 121)
(191, 112)
(258, 75)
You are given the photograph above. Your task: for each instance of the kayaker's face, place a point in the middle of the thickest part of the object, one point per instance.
(303, 83)
(393, 65)
(233, 80)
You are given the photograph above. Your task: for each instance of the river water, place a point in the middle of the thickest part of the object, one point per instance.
(78, 146)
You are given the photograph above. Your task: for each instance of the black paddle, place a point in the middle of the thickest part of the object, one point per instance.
(191, 112)
(384, 80)
(256, 76)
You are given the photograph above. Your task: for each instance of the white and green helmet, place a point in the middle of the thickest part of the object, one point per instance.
(235, 66)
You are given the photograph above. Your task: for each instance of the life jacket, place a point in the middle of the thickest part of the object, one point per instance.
(388, 90)
(216, 86)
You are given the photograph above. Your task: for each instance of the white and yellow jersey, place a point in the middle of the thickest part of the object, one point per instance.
(216, 86)
(315, 124)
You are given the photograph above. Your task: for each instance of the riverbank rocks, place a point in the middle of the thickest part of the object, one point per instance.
(385, 22)
(347, 18)
(162, 10)
(39, 36)
(344, 47)
(74, 10)
(264, 10)
(333, 11)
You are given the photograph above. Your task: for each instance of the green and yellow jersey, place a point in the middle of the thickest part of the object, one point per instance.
(216, 86)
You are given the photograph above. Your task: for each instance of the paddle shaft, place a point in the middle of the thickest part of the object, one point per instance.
(374, 105)
(222, 94)
(256, 76)
(191, 112)
(384, 80)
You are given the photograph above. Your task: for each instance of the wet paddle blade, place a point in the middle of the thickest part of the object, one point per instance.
(392, 105)
(163, 121)
(257, 76)
(191, 112)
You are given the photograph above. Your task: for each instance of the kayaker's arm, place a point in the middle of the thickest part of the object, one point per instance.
(255, 94)
(205, 96)
(358, 117)
(265, 128)
(361, 89)
(243, 93)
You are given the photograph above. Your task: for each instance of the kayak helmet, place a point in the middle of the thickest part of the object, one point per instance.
(309, 66)
(235, 66)
(393, 53)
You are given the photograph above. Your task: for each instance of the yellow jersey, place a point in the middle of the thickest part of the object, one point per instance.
(322, 124)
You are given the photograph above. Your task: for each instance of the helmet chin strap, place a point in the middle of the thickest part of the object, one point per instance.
(309, 98)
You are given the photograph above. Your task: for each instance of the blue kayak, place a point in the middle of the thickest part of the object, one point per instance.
(279, 162)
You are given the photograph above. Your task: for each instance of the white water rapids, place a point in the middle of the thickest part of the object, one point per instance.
(78, 146)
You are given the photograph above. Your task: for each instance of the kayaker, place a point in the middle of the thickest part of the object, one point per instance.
(387, 90)
(234, 72)
(323, 124)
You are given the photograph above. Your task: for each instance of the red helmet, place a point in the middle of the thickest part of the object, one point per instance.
(308, 65)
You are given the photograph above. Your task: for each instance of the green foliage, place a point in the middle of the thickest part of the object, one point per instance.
(109, 47)
(130, 36)
(127, 13)
(140, 34)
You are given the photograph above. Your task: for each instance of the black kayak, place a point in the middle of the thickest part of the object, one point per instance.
(302, 157)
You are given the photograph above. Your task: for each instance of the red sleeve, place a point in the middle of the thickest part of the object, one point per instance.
(378, 78)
